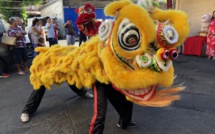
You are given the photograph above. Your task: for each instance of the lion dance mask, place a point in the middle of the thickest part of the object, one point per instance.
(134, 52)
(86, 21)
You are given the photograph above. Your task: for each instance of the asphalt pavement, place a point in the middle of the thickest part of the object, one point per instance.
(63, 112)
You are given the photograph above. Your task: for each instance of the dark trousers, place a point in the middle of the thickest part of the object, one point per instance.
(37, 95)
(102, 92)
(52, 41)
(20, 54)
(82, 37)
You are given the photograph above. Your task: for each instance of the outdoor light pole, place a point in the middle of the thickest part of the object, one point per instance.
(169, 4)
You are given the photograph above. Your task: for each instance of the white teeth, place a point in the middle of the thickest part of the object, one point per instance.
(146, 90)
(148, 95)
(139, 92)
(142, 92)
(130, 91)
(136, 92)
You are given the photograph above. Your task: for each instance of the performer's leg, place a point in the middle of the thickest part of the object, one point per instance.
(100, 108)
(34, 100)
(80, 40)
(122, 106)
(84, 38)
(81, 92)
(33, 103)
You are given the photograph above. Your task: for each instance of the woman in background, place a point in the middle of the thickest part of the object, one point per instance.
(210, 51)
(36, 33)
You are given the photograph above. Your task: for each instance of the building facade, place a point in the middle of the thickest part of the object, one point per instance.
(55, 10)
(194, 8)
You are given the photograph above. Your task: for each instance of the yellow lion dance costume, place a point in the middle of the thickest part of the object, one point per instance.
(133, 52)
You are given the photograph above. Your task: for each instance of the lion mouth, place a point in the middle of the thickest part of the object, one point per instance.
(143, 94)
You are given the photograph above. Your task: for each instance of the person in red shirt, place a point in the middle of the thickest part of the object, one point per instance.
(56, 30)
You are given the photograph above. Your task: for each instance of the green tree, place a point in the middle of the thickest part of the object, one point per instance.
(10, 8)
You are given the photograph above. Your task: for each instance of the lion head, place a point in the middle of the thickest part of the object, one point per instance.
(134, 67)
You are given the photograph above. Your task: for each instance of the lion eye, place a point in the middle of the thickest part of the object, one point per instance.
(173, 54)
(128, 36)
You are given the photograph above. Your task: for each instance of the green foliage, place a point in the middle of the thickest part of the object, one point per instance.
(163, 1)
(23, 13)
(10, 8)
(6, 12)
(32, 2)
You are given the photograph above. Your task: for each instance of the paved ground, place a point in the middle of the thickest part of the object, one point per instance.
(63, 112)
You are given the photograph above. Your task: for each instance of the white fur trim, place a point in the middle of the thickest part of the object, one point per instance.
(142, 64)
(175, 38)
(160, 64)
(104, 33)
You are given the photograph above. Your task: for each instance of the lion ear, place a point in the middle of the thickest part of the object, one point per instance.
(114, 7)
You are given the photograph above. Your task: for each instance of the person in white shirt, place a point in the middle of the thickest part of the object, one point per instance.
(50, 31)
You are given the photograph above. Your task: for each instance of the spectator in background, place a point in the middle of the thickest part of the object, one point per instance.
(70, 30)
(82, 37)
(36, 33)
(30, 50)
(56, 30)
(20, 52)
(20, 23)
(3, 75)
(41, 42)
(42, 39)
(210, 51)
(50, 31)
(30, 32)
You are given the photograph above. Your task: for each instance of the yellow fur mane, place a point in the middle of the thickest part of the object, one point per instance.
(79, 66)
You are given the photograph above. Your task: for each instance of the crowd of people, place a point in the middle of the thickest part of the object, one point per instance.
(37, 37)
